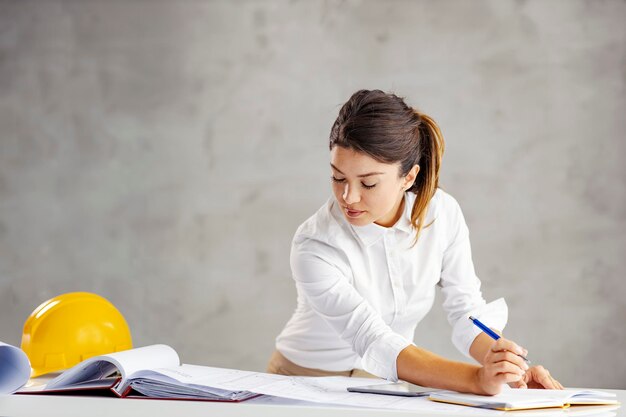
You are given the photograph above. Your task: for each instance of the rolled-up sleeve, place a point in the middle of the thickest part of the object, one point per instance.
(461, 287)
(332, 296)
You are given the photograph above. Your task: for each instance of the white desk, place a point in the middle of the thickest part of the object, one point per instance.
(65, 406)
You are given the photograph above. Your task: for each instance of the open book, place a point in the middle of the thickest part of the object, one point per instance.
(523, 399)
(147, 372)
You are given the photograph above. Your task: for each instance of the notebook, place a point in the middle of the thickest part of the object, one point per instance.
(524, 399)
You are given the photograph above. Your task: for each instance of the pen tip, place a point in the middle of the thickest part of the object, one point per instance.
(471, 318)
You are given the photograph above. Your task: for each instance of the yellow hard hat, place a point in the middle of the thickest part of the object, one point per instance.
(70, 328)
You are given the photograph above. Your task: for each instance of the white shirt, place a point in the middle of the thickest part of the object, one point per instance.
(362, 290)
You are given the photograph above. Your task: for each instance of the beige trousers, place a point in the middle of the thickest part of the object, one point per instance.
(278, 364)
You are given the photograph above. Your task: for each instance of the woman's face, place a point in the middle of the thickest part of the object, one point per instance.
(367, 190)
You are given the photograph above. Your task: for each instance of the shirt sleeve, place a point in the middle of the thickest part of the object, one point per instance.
(461, 287)
(332, 296)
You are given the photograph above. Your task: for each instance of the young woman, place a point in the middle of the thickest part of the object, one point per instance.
(366, 264)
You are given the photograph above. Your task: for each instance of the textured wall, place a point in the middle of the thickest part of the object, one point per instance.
(162, 153)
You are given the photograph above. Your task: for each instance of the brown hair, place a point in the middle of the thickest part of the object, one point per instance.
(382, 126)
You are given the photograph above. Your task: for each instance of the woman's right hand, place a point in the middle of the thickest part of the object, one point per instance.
(501, 366)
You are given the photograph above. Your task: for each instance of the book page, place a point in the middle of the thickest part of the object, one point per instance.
(14, 368)
(126, 362)
(524, 398)
(584, 397)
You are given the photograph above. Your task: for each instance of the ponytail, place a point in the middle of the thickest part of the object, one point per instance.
(431, 145)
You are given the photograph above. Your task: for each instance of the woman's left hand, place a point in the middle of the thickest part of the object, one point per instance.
(537, 377)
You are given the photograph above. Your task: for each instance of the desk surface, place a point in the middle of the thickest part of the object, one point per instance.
(53, 406)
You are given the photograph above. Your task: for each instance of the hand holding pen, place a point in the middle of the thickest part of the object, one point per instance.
(493, 335)
(506, 362)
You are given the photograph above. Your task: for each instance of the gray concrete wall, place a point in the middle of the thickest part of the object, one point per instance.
(162, 154)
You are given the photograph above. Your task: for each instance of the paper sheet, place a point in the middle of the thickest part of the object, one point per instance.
(334, 390)
(328, 390)
(14, 368)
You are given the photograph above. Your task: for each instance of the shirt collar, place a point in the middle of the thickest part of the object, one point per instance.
(370, 233)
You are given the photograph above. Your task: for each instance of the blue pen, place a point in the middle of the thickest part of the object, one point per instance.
(491, 333)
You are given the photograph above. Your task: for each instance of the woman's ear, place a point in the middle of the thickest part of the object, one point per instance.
(409, 178)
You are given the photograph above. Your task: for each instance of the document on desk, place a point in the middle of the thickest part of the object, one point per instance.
(326, 390)
(334, 390)
(154, 372)
(128, 374)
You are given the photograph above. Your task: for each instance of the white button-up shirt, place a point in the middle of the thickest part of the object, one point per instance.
(362, 290)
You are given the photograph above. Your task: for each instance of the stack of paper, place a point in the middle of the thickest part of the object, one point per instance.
(155, 388)
(185, 382)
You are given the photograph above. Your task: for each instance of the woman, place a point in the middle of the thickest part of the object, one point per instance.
(367, 263)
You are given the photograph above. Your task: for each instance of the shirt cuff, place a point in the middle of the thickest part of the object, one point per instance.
(381, 356)
(495, 315)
